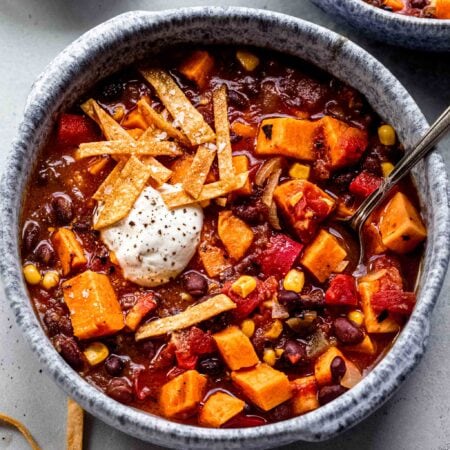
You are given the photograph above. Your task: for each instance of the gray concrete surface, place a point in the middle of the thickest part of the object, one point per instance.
(32, 32)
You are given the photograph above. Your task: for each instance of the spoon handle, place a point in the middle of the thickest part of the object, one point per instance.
(411, 158)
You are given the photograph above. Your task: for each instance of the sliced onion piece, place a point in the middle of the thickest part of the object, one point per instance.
(266, 170)
(272, 183)
(273, 219)
(352, 375)
(279, 311)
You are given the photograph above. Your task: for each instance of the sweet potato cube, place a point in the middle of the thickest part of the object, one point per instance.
(93, 305)
(180, 167)
(367, 287)
(395, 5)
(345, 144)
(304, 205)
(322, 367)
(323, 256)
(235, 234)
(179, 398)
(401, 227)
(366, 346)
(442, 10)
(240, 164)
(134, 119)
(236, 349)
(305, 395)
(218, 409)
(213, 259)
(286, 136)
(197, 67)
(69, 250)
(264, 386)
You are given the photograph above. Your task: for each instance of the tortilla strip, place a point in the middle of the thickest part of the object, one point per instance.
(150, 148)
(74, 426)
(196, 175)
(190, 316)
(127, 188)
(158, 121)
(22, 428)
(209, 191)
(105, 189)
(224, 154)
(181, 109)
(159, 172)
(110, 128)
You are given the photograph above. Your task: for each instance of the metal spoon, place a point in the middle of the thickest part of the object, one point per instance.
(425, 145)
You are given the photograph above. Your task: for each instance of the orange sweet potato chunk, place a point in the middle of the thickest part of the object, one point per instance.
(236, 349)
(443, 9)
(69, 250)
(240, 165)
(134, 119)
(93, 305)
(286, 136)
(264, 386)
(305, 395)
(322, 367)
(180, 397)
(180, 167)
(235, 234)
(218, 409)
(197, 67)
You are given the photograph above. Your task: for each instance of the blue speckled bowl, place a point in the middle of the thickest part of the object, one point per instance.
(395, 29)
(134, 35)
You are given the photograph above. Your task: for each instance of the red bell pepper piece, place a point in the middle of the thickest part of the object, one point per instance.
(364, 184)
(73, 129)
(394, 301)
(190, 345)
(342, 291)
(279, 255)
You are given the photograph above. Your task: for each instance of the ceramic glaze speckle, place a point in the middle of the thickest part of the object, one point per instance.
(393, 28)
(136, 35)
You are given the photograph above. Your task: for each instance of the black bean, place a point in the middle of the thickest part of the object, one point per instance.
(294, 352)
(114, 365)
(44, 252)
(372, 164)
(281, 412)
(287, 296)
(210, 366)
(120, 389)
(62, 207)
(57, 322)
(252, 213)
(238, 99)
(418, 3)
(30, 235)
(69, 350)
(329, 393)
(347, 332)
(195, 283)
(248, 266)
(338, 368)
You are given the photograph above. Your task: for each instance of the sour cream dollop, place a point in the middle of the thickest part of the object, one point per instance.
(153, 244)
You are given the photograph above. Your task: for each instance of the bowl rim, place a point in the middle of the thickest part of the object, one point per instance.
(317, 425)
(375, 12)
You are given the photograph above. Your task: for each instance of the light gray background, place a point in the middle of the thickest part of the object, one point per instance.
(32, 32)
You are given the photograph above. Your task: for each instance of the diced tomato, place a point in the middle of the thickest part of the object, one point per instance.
(342, 291)
(190, 345)
(245, 306)
(279, 255)
(394, 301)
(364, 184)
(145, 303)
(353, 143)
(148, 383)
(74, 129)
(242, 421)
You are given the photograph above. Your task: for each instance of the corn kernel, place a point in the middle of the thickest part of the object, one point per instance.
(32, 274)
(50, 280)
(387, 168)
(96, 353)
(248, 60)
(244, 285)
(356, 316)
(118, 113)
(386, 134)
(300, 171)
(221, 201)
(294, 281)
(279, 352)
(268, 304)
(186, 297)
(275, 330)
(269, 357)
(248, 327)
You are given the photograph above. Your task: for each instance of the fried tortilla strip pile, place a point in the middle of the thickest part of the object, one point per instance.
(124, 192)
(191, 316)
(137, 148)
(181, 109)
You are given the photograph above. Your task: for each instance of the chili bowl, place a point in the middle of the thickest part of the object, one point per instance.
(427, 34)
(135, 35)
